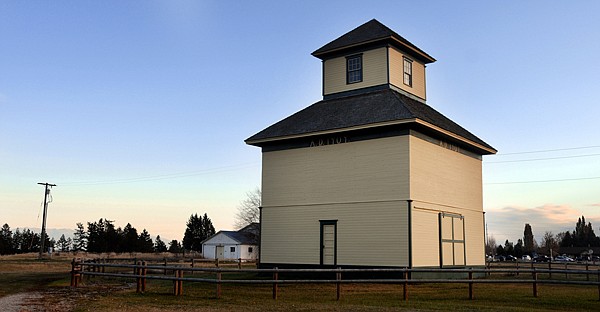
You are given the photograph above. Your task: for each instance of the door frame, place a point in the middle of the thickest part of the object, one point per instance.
(322, 223)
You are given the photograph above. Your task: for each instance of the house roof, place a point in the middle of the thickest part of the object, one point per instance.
(245, 236)
(367, 110)
(371, 32)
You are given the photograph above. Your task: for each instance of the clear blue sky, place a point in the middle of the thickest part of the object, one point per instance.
(138, 110)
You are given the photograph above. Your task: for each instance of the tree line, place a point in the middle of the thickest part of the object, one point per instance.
(103, 236)
(582, 236)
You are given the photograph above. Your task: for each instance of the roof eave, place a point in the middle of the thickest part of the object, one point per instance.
(426, 58)
(485, 150)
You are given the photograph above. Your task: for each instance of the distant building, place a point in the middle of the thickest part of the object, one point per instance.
(371, 175)
(230, 245)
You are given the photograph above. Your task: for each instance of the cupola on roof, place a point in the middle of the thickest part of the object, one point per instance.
(375, 104)
(370, 33)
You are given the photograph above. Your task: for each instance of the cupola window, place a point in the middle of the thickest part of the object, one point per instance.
(407, 72)
(354, 69)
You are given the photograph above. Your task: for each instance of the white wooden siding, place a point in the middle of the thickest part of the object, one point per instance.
(373, 233)
(397, 73)
(209, 248)
(374, 64)
(444, 180)
(364, 171)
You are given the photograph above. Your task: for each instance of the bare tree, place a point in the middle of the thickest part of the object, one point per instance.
(248, 211)
(490, 246)
(549, 243)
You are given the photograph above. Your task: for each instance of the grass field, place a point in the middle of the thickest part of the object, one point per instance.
(20, 274)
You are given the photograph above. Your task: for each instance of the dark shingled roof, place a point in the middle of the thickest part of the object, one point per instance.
(359, 110)
(369, 32)
(243, 238)
(248, 235)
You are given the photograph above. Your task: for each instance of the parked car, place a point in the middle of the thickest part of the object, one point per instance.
(563, 259)
(541, 258)
(526, 258)
(511, 258)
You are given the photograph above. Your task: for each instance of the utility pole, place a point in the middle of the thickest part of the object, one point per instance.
(43, 236)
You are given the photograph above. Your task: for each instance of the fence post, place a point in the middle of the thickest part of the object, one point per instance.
(192, 266)
(598, 280)
(275, 278)
(471, 283)
(535, 277)
(566, 271)
(405, 288)
(338, 277)
(177, 283)
(134, 268)
(517, 267)
(74, 274)
(550, 268)
(144, 271)
(218, 284)
(217, 262)
(240, 263)
(103, 267)
(532, 264)
(138, 278)
(165, 265)
(180, 282)
(587, 268)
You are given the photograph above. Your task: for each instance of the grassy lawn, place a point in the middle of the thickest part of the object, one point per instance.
(18, 274)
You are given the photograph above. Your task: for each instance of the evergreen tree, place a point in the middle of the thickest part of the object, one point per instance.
(17, 240)
(6, 240)
(528, 241)
(129, 239)
(103, 237)
(159, 245)
(174, 246)
(509, 248)
(145, 242)
(518, 249)
(582, 236)
(193, 233)
(208, 229)
(197, 230)
(30, 241)
(500, 251)
(79, 238)
(63, 243)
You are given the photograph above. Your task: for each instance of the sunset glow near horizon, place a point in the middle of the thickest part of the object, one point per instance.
(138, 111)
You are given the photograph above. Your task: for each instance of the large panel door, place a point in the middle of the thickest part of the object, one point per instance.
(219, 252)
(328, 242)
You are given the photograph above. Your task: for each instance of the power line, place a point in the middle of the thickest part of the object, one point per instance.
(538, 159)
(542, 181)
(550, 150)
(162, 177)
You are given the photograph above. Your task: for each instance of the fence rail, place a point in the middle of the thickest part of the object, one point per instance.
(140, 272)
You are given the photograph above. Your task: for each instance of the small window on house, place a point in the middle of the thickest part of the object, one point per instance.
(249, 249)
(354, 69)
(232, 249)
(407, 72)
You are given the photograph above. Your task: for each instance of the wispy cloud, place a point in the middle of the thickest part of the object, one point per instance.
(594, 205)
(509, 222)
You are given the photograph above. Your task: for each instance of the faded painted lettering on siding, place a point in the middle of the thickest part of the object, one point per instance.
(328, 141)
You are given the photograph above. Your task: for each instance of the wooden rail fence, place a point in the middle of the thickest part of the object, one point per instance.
(141, 269)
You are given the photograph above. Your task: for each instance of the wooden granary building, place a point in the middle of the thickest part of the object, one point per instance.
(371, 176)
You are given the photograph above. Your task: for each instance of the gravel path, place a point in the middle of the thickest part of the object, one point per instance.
(21, 302)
